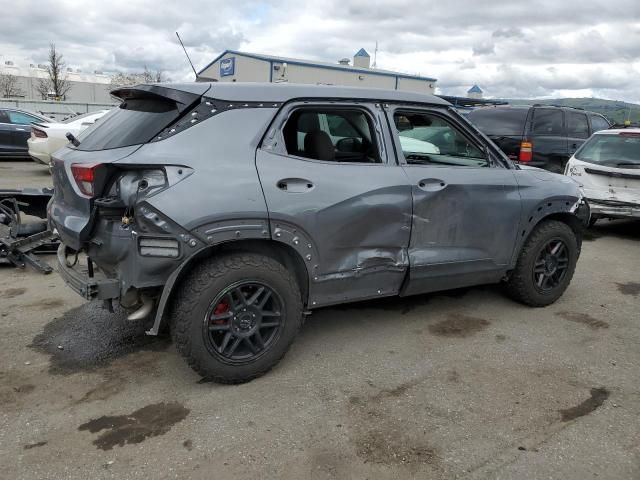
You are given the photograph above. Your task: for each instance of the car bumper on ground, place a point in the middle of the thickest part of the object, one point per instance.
(87, 283)
(615, 209)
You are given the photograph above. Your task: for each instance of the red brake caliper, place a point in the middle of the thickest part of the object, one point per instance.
(222, 307)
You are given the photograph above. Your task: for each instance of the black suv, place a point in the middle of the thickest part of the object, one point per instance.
(542, 136)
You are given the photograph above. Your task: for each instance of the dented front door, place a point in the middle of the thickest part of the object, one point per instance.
(351, 221)
(466, 206)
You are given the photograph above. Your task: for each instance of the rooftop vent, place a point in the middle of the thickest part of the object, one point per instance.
(344, 61)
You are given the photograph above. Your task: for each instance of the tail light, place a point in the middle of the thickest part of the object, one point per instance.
(526, 152)
(85, 175)
(37, 133)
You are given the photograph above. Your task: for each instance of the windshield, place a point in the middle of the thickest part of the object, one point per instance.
(499, 121)
(621, 150)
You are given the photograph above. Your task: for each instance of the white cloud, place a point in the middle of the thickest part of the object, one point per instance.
(520, 48)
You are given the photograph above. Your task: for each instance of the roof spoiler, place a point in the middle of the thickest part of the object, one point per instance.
(184, 97)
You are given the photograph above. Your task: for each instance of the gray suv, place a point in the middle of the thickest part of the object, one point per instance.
(225, 213)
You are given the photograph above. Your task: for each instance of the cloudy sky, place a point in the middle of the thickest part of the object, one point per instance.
(511, 48)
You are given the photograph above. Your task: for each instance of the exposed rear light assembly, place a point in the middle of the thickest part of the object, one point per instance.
(86, 176)
(37, 133)
(526, 152)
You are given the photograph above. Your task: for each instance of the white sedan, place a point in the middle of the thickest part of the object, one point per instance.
(46, 138)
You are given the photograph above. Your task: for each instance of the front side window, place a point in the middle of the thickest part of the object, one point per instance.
(577, 126)
(547, 121)
(599, 123)
(331, 135)
(613, 150)
(19, 118)
(428, 139)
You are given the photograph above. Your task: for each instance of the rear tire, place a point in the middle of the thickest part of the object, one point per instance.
(235, 316)
(545, 265)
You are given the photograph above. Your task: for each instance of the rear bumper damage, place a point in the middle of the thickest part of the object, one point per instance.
(614, 209)
(86, 282)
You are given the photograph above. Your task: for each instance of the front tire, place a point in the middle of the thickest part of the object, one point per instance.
(235, 316)
(545, 266)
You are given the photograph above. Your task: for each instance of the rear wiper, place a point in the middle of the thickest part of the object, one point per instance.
(71, 137)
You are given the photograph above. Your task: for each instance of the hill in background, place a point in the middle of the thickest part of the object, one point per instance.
(615, 111)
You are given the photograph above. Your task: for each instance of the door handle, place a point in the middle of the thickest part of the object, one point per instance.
(431, 184)
(18, 129)
(295, 185)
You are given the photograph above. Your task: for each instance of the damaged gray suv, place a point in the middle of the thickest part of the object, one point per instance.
(225, 213)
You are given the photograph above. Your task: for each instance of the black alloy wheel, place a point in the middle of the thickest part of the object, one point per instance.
(243, 321)
(551, 265)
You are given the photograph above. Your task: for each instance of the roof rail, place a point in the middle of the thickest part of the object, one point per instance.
(624, 125)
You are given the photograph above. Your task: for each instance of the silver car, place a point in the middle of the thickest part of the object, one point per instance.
(228, 212)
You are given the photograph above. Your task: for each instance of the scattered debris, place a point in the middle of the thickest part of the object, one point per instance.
(26, 239)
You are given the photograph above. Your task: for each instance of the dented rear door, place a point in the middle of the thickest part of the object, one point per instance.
(349, 221)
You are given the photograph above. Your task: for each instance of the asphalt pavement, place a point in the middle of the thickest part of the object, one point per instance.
(461, 384)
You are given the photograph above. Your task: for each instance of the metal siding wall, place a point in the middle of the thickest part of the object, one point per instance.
(417, 86)
(312, 75)
(246, 70)
(82, 92)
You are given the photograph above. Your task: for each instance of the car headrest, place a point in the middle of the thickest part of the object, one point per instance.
(317, 144)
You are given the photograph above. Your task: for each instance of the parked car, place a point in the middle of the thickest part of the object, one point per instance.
(15, 129)
(233, 210)
(607, 167)
(543, 136)
(46, 138)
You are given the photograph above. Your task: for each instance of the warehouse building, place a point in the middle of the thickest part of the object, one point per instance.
(235, 66)
(85, 87)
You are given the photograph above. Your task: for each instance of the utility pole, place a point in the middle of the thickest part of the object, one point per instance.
(375, 56)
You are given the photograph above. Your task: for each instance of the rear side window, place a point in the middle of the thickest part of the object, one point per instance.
(547, 121)
(19, 118)
(577, 126)
(499, 121)
(599, 123)
(135, 121)
(340, 135)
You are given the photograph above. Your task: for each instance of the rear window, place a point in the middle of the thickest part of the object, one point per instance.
(135, 121)
(622, 150)
(547, 121)
(499, 121)
(577, 126)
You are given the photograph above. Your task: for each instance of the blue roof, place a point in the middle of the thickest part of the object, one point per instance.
(475, 89)
(308, 63)
(361, 53)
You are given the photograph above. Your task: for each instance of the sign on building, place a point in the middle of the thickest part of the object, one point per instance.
(227, 66)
